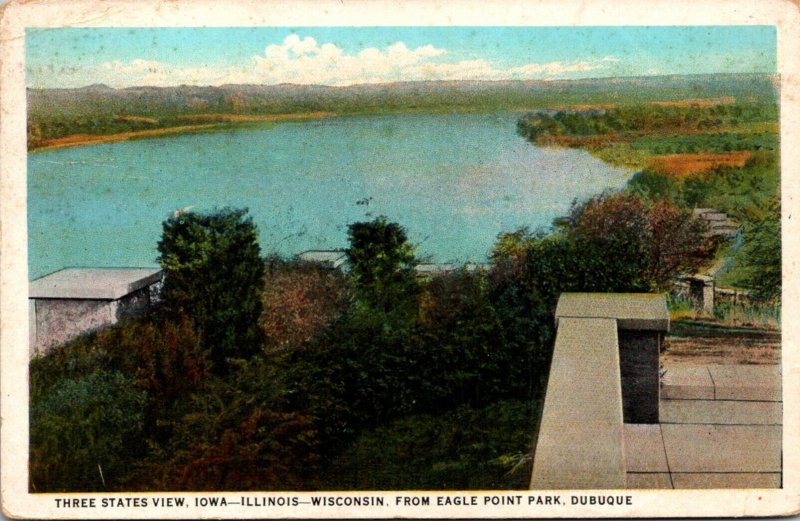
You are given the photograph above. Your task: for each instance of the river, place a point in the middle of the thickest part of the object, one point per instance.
(453, 180)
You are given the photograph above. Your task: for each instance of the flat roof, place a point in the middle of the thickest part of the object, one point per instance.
(322, 254)
(333, 257)
(640, 311)
(93, 283)
(433, 269)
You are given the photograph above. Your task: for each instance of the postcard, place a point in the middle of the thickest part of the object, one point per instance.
(351, 259)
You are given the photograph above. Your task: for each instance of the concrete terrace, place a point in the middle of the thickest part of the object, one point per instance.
(616, 417)
(720, 427)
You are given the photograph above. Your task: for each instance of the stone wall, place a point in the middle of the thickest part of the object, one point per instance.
(604, 373)
(580, 435)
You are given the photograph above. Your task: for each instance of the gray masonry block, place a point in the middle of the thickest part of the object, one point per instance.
(709, 480)
(687, 383)
(747, 382)
(724, 412)
(644, 448)
(722, 448)
(649, 480)
(633, 311)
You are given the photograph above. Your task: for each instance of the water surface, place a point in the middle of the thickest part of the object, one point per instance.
(453, 180)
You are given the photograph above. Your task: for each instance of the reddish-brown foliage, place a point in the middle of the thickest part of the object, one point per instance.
(171, 362)
(266, 451)
(671, 240)
(609, 215)
(299, 301)
(678, 242)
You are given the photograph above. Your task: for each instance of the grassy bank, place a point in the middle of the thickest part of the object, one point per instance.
(714, 153)
(199, 123)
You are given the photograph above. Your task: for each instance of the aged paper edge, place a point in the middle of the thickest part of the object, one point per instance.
(17, 15)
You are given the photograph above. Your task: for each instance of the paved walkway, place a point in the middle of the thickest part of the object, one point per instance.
(720, 428)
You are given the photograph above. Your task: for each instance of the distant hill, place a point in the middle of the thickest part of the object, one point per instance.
(97, 109)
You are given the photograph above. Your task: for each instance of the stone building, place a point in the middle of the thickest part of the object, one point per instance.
(75, 301)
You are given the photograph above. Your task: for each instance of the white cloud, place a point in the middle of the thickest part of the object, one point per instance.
(463, 70)
(305, 61)
(552, 68)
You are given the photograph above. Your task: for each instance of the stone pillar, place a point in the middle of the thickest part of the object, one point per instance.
(701, 290)
(708, 297)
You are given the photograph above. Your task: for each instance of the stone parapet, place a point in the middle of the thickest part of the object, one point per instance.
(580, 436)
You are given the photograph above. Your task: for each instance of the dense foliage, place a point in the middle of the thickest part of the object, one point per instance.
(213, 274)
(77, 431)
(351, 355)
(616, 242)
(464, 449)
(300, 300)
(744, 193)
(758, 261)
(140, 373)
(644, 119)
(381, 267)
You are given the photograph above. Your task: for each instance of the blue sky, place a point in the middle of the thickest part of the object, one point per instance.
(121, 57)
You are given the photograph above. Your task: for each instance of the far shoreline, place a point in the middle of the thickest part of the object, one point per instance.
(211, 122)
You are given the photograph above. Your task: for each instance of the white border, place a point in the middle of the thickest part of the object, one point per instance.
(16, 16)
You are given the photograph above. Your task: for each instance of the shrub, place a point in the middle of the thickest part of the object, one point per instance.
(236, 434)
(465, 449)
(162, 357)
(628, 244)
(382, 268)
(653, 185)
(462, 357)
(300, 300)
(214, 275)
(86, 432)
(758, 262)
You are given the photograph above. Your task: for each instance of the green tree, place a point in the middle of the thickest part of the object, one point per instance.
(758, 262)
(653, 185)
(616, 242)
(512, 245)
(463, 356)
(214, 275)
(382, 267)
